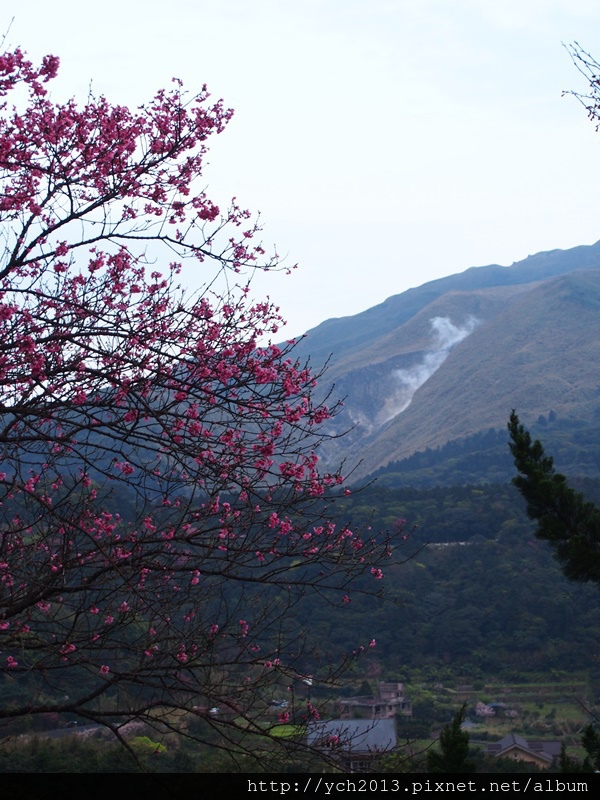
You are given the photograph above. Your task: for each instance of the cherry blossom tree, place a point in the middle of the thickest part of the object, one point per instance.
(161, 506)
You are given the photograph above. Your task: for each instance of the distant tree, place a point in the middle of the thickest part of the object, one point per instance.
(568, 764)
(591, 744)
(453, 755)
(160, 496)
(565, 519)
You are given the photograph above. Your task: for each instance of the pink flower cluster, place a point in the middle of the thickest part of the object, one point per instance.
(119, 388)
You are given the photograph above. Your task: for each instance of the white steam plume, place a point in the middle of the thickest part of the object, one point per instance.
(445, 336)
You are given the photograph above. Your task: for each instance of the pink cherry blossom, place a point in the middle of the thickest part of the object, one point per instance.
(164, 506)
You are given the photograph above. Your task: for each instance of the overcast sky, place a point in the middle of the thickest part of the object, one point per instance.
(385, 142)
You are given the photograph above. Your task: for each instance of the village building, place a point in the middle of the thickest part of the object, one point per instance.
(388, 701)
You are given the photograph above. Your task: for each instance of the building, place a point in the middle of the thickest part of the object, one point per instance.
(540, 753)
(354, 743)
(385, 704)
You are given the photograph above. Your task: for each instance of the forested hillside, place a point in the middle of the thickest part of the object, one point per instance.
(478, 593)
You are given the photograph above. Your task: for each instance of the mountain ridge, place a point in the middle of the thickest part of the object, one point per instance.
(337, 335)
(460, 352)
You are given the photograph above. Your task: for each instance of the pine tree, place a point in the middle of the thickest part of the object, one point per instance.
(591, 743)
(565, 519)
(454, 748)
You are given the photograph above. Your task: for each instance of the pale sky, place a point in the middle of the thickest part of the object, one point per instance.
(384, 142)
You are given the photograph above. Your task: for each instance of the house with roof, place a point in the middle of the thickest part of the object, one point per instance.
(388, 701)
(354, 743)
(540, 753)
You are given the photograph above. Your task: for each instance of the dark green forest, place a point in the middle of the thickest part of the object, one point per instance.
(477, 591)
(478, 601)
(484, 458)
